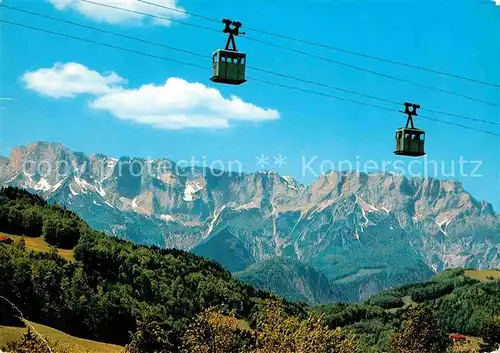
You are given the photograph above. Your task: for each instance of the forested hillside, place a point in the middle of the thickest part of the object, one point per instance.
(461, 304)
(112, 283)
(155, 300)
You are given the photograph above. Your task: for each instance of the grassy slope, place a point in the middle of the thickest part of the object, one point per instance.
(482, 275)
(73, 344)
(38, 244)
(472, 344)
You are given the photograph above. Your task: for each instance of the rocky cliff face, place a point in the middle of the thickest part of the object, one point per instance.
(363, 232)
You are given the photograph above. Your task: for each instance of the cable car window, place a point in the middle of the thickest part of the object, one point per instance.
(422, 137)
(398, 135)
(407, 136)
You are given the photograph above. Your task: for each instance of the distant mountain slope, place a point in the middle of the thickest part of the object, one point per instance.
(366, 231)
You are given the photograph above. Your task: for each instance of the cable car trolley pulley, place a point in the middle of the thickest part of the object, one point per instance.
(228, 65)
(409, 139)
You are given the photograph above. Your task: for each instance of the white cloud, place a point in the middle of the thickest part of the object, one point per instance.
(180, 104)
(70, 79)
(176, 104)
(497, 2)
(5, 98)
(116, 16)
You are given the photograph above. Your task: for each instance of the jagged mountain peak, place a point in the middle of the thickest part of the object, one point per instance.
(133, 176)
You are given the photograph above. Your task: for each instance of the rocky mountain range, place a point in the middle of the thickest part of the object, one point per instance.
(344, 237)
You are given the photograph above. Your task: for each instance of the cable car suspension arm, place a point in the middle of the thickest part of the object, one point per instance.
(232, 31)
(411, 111)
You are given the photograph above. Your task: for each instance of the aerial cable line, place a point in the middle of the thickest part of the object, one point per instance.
(459, 125)
(298, 52)
(251, 78)
(303, 41)
(460, 116)
(375, 72)
(254, 68)
(180, 11)
(104, 31)
(151, 15)
(103, 44)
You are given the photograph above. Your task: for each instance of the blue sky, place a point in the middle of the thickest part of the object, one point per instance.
(120, 104)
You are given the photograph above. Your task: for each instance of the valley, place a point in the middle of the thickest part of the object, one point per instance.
(357, 234)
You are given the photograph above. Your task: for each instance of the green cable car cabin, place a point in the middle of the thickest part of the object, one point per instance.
(228, 67)
(410, 140)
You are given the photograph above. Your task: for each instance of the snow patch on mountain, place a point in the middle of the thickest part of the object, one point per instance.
(110, 167)
(365, 205)
(100, 190)
(214, 219)
(110, 205)
(246, 206)
(192, 187)
(167, 218)
(417, 217)
(73, 192)
(58, 185)
(83, 184)
(441, 229)
(43, 185)
(291, 183)
(442, 220)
